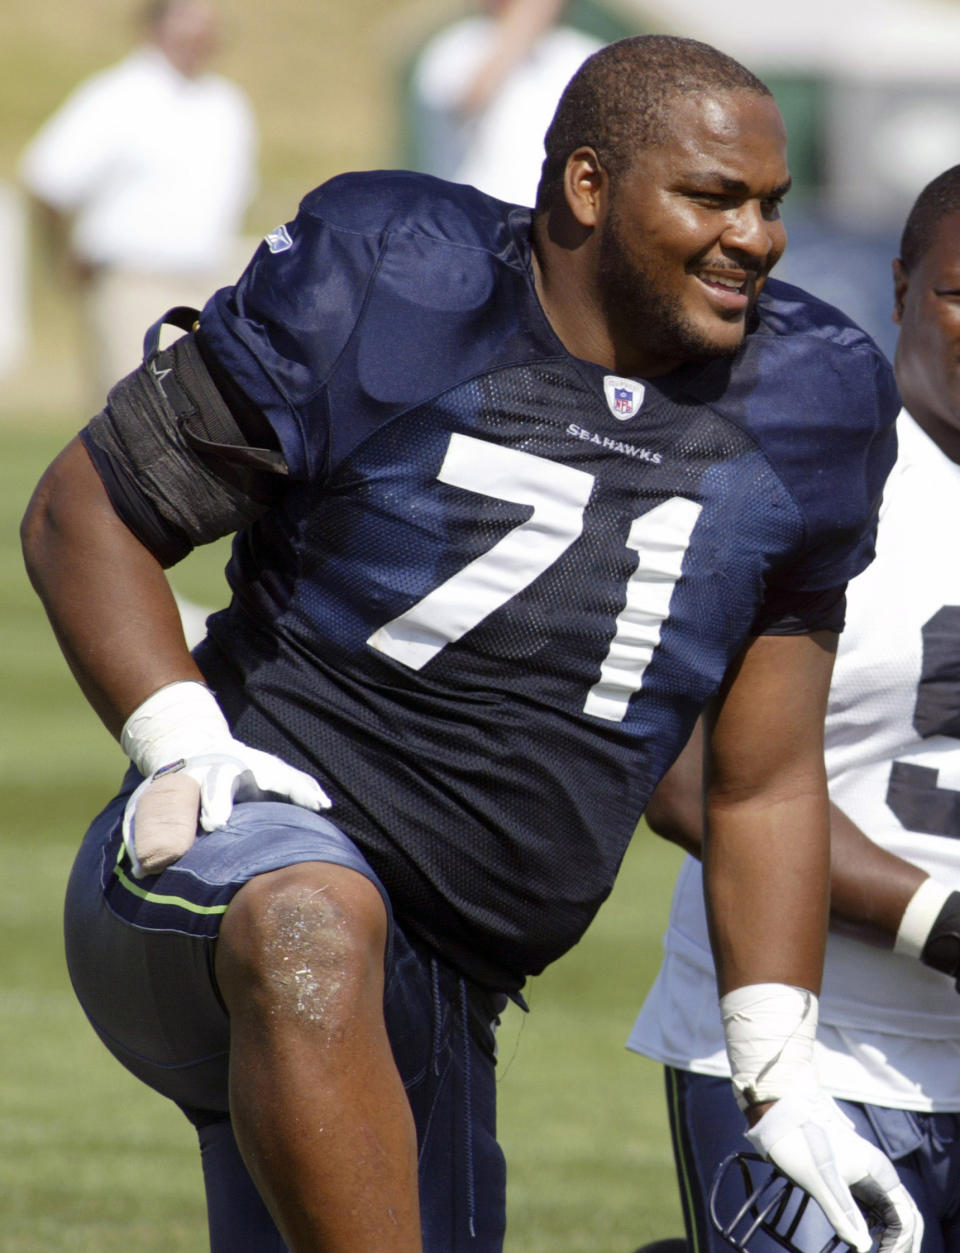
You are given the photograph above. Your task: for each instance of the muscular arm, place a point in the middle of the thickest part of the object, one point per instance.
(766, 848)
(766, 855)
(107, 597)
(869, 887)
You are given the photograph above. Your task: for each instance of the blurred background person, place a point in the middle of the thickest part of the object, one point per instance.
(140, 182)
(484, 89)
(888, 1045)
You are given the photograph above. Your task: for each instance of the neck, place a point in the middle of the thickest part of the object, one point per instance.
(568, 301)
(566, 270)
(562, 255)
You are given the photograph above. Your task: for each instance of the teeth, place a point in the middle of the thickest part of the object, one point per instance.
(729, 284)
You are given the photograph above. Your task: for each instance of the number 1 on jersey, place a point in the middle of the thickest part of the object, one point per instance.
(661, 537)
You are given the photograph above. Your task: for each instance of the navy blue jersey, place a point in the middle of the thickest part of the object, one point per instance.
(501, 583)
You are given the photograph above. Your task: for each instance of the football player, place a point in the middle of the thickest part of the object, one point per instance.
(889, 1038)
(515, 495)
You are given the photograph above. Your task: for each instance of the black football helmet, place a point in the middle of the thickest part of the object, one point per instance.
(749, 1196)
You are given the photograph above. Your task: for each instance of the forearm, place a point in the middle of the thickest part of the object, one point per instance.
(870, 887)
(766, 855)
(767, 890)
(876, 896)
(766, 849)
(107, 597)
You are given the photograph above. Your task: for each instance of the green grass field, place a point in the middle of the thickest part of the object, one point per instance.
(91, 1160)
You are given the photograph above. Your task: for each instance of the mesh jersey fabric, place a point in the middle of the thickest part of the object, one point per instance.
(487, 609)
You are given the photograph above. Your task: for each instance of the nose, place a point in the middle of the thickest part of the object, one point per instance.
(750, 231)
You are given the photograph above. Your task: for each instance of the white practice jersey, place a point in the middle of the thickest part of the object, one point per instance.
(889, 1026)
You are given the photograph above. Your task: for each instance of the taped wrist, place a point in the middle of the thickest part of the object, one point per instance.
(920, 918)
(770, 1029)
(180, 720)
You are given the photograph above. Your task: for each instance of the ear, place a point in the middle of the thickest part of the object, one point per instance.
(900, 284)
(585, 186)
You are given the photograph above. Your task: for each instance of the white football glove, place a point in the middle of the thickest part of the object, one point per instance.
(194, 772)
(810, 1138)
(770, 1030)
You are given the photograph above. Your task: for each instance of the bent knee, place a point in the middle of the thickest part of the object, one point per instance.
(305, 940)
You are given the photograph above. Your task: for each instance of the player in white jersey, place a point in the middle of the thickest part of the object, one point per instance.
(888, 1044)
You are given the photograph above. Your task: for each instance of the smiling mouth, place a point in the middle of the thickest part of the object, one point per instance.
(731, 291)
(724, 281)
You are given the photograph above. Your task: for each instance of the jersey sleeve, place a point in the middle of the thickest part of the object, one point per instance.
(851, 418)
(279, 332)
(820, 399)
(800, 613)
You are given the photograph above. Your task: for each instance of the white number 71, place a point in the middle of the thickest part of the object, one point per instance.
(558, 495)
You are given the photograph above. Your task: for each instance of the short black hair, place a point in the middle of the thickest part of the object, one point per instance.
(940, 197)
(615, 102)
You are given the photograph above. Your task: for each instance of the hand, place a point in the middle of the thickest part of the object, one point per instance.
(201, 791)
(770, 1030)
(194, 772)
(807, 1136)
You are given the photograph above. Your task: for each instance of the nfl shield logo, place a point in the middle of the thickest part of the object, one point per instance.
(624, 396)
(279, 240)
